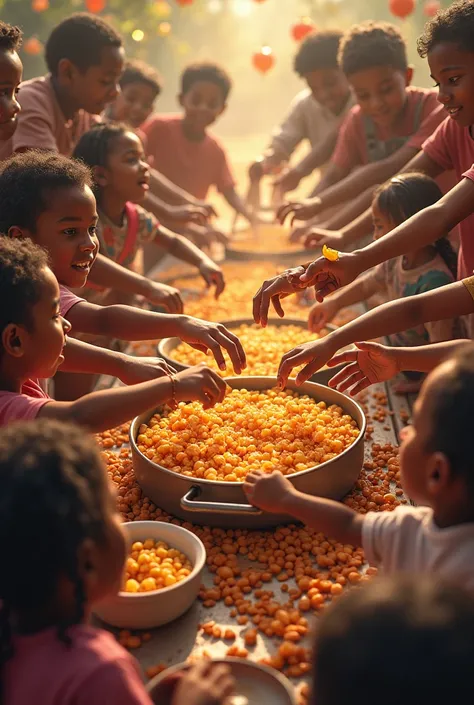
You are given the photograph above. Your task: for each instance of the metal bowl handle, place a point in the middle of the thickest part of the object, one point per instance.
(189, 503)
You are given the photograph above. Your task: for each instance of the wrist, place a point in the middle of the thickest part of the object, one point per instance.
(120, 363)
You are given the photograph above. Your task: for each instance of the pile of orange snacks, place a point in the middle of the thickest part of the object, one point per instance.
(153, 566)
(250, 430)
(264, 348)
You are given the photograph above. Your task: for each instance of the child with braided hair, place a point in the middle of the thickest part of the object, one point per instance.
(54, 472)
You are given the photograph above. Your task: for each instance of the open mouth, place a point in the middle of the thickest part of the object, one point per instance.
(454, 111)
(82, 266)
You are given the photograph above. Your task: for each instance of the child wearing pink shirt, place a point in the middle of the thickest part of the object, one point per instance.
(49, 653)
(437, 536)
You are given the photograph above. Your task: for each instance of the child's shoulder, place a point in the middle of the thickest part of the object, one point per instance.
(162, 122)
(96, 645)
(39, 88)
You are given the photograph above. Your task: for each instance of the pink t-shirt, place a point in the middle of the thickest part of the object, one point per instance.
(193, 166)
(408, 541)
(93, 670)
(23, 406)
(67, 300)
(41, 122)
(452, 147)
(352, 150)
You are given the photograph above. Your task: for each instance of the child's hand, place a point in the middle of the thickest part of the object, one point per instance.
(288, 180)
(200, 383)
(195, 214)
(317, 237)
(268, 492)
(370, 364)
(213, 276)
(206, 684)
(314, 354)
(301, 211)
(299, 233)
(165, 296)
(328, 276)
(142, 369)
(272, 290)
(320, 314)
(204, 336)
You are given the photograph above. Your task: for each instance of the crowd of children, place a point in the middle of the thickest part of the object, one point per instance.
(94, 188)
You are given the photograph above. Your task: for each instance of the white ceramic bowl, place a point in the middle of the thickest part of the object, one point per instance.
(145, 610)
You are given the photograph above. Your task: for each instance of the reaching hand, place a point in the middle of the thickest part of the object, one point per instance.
(272, 290)
(269, 492)
(300, 233)
(206, 683)
(200, 383)
(204, 336)
(213, 276)
(301, 211)
(313, 355)
(317, 237)
(142, 369)
(370, 363)
(195, 214)
(165, 296)
(320, 315)
(328, 276)
(288, 180)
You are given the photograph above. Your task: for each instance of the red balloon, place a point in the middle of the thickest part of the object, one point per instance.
(96, 5)
(301, 30)
(40, 5)
(183, 3)
(401, 8)
(33, 46)
(431, 8)
(263, 60)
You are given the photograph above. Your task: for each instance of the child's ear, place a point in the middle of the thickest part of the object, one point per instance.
(16, 231)
(439, 473)
(99, 174)
(66, 71)
(409, 75)
(13, 340)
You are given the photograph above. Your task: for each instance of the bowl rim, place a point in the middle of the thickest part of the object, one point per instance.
(312, 469)
(197, 568)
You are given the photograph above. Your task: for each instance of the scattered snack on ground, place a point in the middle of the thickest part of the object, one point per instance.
(250, 430)
(264, 348)
(153, 565)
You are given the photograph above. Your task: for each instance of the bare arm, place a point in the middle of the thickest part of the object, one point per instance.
(181, 248)
(360, 290)
(83, 357)
(318, 156)
(163, 188)
(236, 202)
(334, 174)
(426, 357)
(108, 274)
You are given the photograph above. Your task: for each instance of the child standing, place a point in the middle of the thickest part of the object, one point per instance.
(315, 114)
(435, 538)
(385, 130)
(55, 473)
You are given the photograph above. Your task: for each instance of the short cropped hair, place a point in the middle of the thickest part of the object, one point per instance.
(206, 71)
(137, 71)
(318, 51)
(370, 44)
(81, 39)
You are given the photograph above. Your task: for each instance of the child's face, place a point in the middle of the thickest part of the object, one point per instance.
(98, 86)
(383, 224)
(43, 344)
(452, 69)
(381, 93)
(67, 231)
(127, 173)
(329, 87)
(202, 104)
(11, 72)
(134, 104)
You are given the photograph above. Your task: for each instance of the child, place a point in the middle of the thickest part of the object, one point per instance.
(418, 271)
(56, 474)
(385, 130)
(424, 627)
(315, 114)
(11, 71)
(33, 335)
(121, 175)
(48, 198)
(140, 86)
(181, 147)
(436, 472)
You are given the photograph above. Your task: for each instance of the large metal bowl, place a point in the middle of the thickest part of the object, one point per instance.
(239, 254)
(224, 503)
(166, 346)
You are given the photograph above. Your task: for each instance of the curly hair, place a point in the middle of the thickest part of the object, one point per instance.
(370, 44)
(137, 71)
(426, 627)
(10, 37)
(455, 24)
(407, 194)
(22, 265)
(318, 51)
(27, 181)
(54, 472)
(80, 38)
(205, 71)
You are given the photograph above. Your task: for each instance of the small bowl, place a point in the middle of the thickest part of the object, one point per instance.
(146, 610)
(255, 684)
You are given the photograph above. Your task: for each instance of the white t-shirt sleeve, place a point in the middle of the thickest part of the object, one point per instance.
(387, 537)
